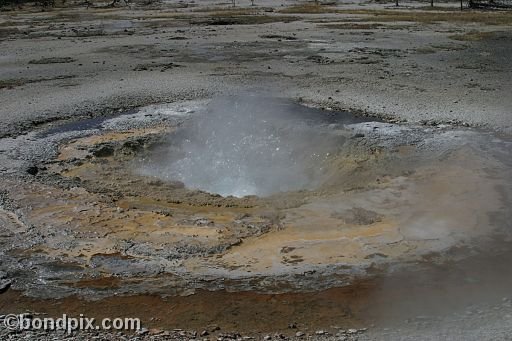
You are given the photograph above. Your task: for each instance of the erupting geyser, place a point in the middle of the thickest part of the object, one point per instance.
(249, 146)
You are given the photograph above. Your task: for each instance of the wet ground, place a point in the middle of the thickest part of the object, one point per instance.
(406, 216)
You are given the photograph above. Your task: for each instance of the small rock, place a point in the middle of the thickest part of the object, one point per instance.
(203, 222)
(352, 331)
(103, 151)
(299, 334)
(142, 331)
(156, 331)
(204, 333)
(267, 337)
(320, 332)
(214, 328)
(32, 170)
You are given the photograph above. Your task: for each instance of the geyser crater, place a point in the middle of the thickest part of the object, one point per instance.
(250, 145)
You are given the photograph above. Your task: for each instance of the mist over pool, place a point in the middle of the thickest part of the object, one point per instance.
(248, 145)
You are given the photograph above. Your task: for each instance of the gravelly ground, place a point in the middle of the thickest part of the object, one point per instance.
(70, 62)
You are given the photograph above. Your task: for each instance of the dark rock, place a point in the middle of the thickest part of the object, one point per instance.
(131, 147)
(5, 284)
(277, 36)
(320, 59)
(33, 170)
(103, 151)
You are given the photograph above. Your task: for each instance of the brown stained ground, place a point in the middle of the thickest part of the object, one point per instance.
(241, 311)
(436, 288)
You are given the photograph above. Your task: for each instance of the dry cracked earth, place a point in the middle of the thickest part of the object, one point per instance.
(375, 141)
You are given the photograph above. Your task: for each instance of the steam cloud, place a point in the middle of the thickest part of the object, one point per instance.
(249, 146)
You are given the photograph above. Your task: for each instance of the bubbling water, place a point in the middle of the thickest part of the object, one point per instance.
(249, 145)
